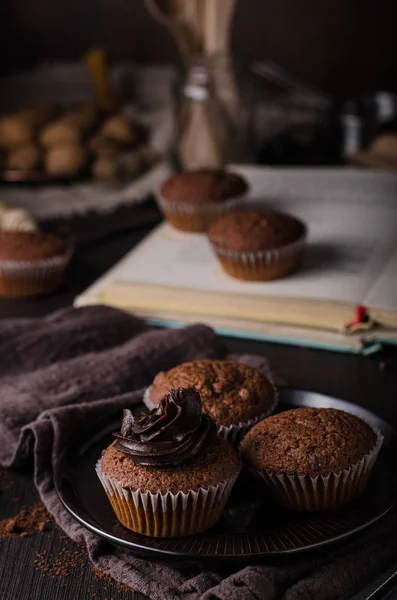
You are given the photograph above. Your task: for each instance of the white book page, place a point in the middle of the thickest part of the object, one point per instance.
(352, 223)
(384, 292)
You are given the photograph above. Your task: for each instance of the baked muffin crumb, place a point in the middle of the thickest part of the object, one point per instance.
(203, 186)
(220, 464)
(30, 245)
(254, 230)
(308, 441)
(231, 392)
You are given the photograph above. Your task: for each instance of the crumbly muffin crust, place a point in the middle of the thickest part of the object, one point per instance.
(307, 441)
(30, 245)
(203, 186)
(221, 464)
(255, 230)
(230, 392)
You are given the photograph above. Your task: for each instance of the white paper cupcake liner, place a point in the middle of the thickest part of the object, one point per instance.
(232, 433)
(195, 217)
(307, 493)
(30, 278)
(166, 515)
(261, 265)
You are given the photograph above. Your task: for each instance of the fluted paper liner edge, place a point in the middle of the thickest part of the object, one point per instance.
(306, 493)
(196, 217)
(262, 265)
(166, 515)
(30, 278)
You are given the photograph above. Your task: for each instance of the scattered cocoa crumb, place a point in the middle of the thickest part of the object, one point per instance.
(29, 520)
(105, 577)
(67, 561)
(61, 565)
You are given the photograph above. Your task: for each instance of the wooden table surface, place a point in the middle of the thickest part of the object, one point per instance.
(368, 381)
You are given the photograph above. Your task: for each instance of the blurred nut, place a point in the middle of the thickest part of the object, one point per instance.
(59, 132)
(121, 129)
(106, 170)
(65, 160)
(14, 131)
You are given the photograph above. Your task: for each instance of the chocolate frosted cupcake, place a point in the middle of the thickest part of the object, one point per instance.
(31, 263)
(235, 395)
(312, 459)
(168, 474)
(192, 200)
(257, 245)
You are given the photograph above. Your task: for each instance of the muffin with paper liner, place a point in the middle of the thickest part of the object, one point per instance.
(312, 458)
(168, 474)
(192, 200)
(257, 245)
(234, 395)
(31, 262)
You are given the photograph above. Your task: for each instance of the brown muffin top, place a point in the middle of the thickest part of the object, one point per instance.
(255, 230)
(30, 245)
(203, 186)
(219, 465)
(230, 392)
(307, 441)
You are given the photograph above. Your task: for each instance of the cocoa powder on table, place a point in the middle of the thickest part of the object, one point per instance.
(31, 519)
(35, 519)
(63, 564)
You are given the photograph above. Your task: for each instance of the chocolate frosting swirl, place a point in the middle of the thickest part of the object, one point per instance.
(170, 435)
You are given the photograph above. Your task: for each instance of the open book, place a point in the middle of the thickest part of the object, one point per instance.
(344, 294)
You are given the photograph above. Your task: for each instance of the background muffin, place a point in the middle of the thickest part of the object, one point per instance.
(257, 245)
(65, 160)
(168, 474)
(312, 459)
(193, 199)
(235, 395)
(31, 263)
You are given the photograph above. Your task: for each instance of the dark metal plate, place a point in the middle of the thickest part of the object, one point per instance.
(252, 525)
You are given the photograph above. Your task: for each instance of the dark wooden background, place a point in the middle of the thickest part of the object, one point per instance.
(342, 46)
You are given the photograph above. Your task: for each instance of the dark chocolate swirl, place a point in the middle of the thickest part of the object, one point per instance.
(170, 435)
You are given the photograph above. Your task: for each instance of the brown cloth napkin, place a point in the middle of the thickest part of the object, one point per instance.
(60, 372)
